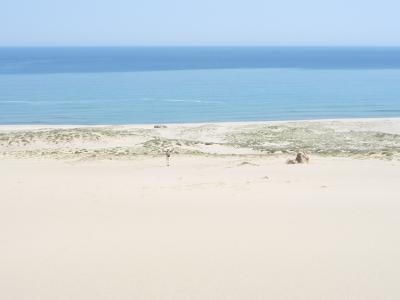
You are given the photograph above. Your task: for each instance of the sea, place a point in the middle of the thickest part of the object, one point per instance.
(146, 85)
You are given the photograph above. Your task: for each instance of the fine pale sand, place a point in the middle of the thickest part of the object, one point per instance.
(207, 227)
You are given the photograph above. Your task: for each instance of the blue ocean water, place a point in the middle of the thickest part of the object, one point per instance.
(203, 84)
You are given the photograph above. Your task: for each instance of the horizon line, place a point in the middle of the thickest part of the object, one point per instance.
(199, 46)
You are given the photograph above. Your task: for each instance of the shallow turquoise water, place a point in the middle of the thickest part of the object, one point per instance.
(194, 95)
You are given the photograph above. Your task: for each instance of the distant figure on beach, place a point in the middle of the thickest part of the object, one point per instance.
(167, 156)
(301, 158)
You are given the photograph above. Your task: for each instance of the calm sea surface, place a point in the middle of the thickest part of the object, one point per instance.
(172, 85)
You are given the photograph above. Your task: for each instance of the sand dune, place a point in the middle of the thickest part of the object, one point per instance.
(369, 138)
(239, 226)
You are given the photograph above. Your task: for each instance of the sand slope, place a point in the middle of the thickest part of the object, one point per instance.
(204, 228)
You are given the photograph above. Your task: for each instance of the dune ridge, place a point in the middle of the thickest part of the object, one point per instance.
(373, 138)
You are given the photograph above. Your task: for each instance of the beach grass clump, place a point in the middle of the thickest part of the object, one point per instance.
(315, 138)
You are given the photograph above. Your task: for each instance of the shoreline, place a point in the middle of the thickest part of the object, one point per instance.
(6, 127)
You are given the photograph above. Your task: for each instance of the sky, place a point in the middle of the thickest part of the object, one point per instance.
(199, 23)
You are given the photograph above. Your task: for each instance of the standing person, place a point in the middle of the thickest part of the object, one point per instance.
(167, 156)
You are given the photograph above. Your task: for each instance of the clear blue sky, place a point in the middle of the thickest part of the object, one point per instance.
(199, 22)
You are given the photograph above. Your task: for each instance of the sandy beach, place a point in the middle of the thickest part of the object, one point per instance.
(95, 213)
